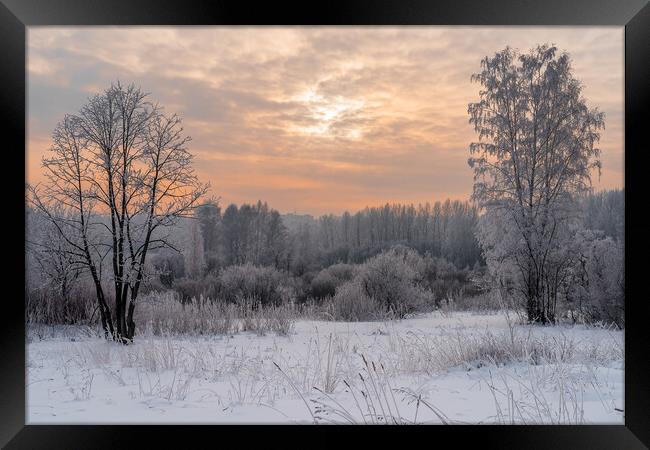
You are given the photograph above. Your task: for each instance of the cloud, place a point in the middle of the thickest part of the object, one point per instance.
(314, 119)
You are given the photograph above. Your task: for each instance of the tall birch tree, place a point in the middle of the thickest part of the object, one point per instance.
(536, 152)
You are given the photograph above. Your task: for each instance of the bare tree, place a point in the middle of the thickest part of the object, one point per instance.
(535, 153)
(52, 260)
(121, 170)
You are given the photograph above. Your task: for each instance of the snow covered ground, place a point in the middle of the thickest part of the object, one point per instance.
(435, 368)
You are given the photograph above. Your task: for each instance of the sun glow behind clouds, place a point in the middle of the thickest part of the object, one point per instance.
(314, 119)
(327, 114)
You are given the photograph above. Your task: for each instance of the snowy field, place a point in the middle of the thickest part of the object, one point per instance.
(435, 368)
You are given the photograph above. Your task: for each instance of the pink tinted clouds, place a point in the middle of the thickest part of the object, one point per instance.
(314, 119)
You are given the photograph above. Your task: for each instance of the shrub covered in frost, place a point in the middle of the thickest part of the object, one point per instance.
(324, 284)
(265, 285)
(595, 289)
(352, 303)
(393, 279)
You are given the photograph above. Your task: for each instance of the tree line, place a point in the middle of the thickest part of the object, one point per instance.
(259, 235)
(212, 249)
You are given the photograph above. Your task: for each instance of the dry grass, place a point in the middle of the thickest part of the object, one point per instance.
(161, 314)
(343, 378)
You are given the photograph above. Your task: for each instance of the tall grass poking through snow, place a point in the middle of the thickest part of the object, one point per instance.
(375, 400)
(346, 373)
(524, 398)
(419, 352)
(162, 314)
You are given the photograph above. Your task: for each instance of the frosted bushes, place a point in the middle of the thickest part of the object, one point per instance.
(266, 285)
(388, 285)
(605, 269)
(594, 290)
(352, 303)
(324, 284)
(393, 280)
(327, 280)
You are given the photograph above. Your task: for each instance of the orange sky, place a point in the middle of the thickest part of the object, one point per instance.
(314, 119)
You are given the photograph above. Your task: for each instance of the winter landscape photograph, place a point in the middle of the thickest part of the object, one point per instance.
(325, 225)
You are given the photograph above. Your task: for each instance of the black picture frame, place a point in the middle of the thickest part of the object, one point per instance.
(16, 15)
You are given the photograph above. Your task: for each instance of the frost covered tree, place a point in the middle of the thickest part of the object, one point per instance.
(253, 234)
(121, 173)
(51, 265)
(595, 287)
(535, 154)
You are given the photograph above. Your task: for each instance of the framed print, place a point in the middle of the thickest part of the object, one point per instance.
(355, 215)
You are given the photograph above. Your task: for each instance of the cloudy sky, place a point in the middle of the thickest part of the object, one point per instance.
(314, 119)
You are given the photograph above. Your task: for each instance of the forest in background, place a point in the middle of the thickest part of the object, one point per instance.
(378, 262)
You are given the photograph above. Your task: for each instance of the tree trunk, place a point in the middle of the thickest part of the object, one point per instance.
(104, 312)
(130, 324)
